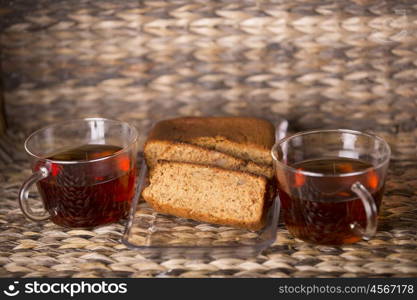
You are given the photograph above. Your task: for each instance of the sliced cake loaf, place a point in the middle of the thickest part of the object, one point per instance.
(207, 193)
(246, 138)
(183, 152)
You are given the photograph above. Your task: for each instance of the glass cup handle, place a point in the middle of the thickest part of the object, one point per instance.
(370, 210)
(24, 195)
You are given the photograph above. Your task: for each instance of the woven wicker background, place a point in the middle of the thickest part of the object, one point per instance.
(320, 64)
(2, 112)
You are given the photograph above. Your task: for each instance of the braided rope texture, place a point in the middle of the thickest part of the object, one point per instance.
(320, 64)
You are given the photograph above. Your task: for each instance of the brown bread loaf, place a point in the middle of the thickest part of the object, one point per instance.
(213, 169)
(206, 193)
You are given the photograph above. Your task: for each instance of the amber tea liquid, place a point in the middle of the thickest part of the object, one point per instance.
(328, 208)
(87, 194)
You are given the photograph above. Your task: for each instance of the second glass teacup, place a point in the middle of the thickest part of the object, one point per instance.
(330, 184)
(85, 171)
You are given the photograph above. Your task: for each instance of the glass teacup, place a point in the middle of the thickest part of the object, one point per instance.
(85, 172)
(331, 183)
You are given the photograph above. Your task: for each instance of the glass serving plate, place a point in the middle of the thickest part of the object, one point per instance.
(158, 235)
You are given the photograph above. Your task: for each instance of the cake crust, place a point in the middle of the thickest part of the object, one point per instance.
(244, 137)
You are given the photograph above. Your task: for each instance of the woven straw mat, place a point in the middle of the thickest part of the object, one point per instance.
(320, 64)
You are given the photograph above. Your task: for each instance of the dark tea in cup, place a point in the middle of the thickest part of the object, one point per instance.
(85, 172)
(326, 209)
(330, 183)
(87, 195)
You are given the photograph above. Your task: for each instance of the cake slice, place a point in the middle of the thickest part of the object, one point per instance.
(206, 193)
(246, 138)
(183, 152)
